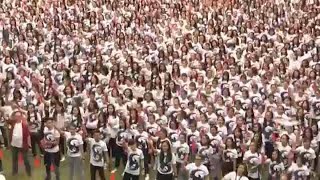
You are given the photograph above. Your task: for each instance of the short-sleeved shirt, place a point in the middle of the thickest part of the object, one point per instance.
(50, 136)
(133, 163)
(74, 142)
(97, 149)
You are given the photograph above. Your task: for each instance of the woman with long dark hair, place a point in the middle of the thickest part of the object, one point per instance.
(166, 162)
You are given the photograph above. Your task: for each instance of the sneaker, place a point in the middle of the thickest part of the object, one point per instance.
(147, 177)
(114, 170)
(62, 159)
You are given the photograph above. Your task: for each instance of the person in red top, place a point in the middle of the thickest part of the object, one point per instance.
(19, 141)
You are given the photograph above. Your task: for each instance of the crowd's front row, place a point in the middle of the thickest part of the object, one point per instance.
(172, 157)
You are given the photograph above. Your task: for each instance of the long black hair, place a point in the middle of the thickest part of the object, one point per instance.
(168, 153)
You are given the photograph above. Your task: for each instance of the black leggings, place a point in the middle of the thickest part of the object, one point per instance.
(164, 176)
(4, 135)
(94, 169)
(112, 146)
(35, 140)
(119, 154)
(52, 159)
(128, 176)
(62, 145)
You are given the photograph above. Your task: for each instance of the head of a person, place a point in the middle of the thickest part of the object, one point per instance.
(132, 144)
(241, 170)
(198, 160)
(50, 123)
(165, 146)
(97, 135)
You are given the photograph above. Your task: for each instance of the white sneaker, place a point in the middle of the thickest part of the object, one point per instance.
(147, 177)
(62, 159)
(114, 170)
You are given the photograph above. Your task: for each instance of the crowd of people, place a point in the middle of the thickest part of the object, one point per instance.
(163, 89)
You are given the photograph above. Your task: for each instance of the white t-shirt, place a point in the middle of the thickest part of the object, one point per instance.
(74, 142)
(197, 172)
(133, 163)
(254, 159)
(308, 155)
(51, 136)
(97, 149)
(165, 166)
(233, 176)
(17, 139)
(182, 151)
(298, 172)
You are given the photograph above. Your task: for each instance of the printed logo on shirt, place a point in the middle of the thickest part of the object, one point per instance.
(228, 155)
(181, 152)
(299, 174)
(275, 168)
(97, 152)
(152, 131)
(173, 137)
(204, 153)
(165, 166)
(197, 174)
(306, 157)
(141, 141)
(316, 108)
(73, 145)
(134, 161)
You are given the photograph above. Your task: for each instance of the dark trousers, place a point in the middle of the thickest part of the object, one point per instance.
(4, 135)
(112, 145)
(62, 145)
(146, 160)
(119, 154)
(52, 159)
(15, 154)
(164, 176)
(93, 171)
(35, 140)
(128, 176)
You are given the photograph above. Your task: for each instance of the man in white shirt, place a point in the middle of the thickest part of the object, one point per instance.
(20, 140)
(75, 152)
(135, 164)
(98, 155)
(50, 144)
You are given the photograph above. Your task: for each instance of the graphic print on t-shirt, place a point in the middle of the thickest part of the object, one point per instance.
(141, 141)
(197, 174)
(97, 152)
(173, 136)
(165, 166)
(73, 145)
(181, 152)
(134, 161)
(49, 137)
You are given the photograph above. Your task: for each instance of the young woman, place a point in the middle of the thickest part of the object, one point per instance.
(60, 123)
(141, 138)
(205, 150)
(197, 170)
(240, 174)
(182, 153)
(276, 167)
(34, 121)
(112, 124)
(166, 162)
(298, 170)
(229, 157)
(252, 158)
(119, 150)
